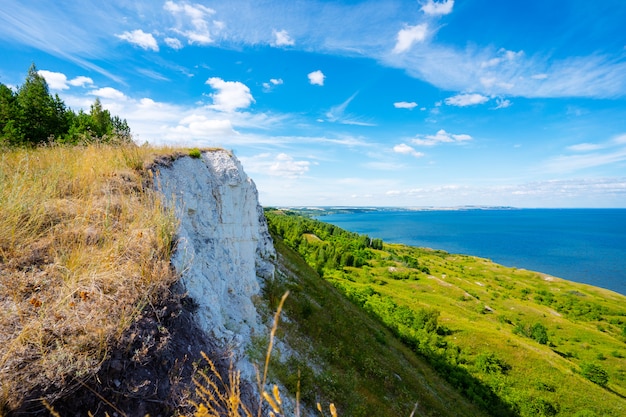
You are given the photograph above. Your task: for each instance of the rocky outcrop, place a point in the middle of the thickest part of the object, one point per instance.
(224, 249)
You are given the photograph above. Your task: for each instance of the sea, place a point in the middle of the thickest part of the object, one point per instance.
(582, 245)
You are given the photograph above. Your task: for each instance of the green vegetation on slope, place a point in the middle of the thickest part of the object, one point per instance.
(512, 341)
(345, 356)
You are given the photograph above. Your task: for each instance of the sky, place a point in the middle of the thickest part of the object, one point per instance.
(411, 103)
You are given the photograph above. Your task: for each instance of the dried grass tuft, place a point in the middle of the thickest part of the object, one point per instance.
(84, 246)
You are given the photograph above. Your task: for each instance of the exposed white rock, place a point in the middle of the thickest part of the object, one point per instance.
(224, 248)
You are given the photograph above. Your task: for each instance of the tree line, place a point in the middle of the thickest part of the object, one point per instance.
(32, 116)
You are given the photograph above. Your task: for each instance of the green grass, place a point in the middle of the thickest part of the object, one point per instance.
(484, 309)
(347, 357)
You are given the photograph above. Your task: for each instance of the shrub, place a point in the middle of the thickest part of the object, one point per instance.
(595, 373)
(195, 153)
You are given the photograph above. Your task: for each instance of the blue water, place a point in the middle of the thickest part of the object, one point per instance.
(583, 245)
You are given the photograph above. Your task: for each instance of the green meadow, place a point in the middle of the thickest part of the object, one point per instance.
(511, 341)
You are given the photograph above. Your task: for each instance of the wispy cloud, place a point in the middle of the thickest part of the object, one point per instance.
(590, 155)
(464, 100)
(173, 43)
(405, 105)
(141, 39)
(439, 138)
(277, 165)
(578, 192)
(338, 114)
(193, 21)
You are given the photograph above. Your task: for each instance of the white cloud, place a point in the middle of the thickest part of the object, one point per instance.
(316, 77)
(272, 83)
(405, 149)
(338, 114)
(108, 92)
(280, 165)
(434, 8)
(230, 95)
(408, 36)
(405, 105)
(59, 81)
(502, 103)
(193, 21)
(464, 100)
(619, 139)
(173, 43)
(55, 80)
(80, 81)
(585, 147)
(140, 38)
(440, 137)
(197, 127)
(282, 38)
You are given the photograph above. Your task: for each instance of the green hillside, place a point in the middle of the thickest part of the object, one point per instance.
(513, 342)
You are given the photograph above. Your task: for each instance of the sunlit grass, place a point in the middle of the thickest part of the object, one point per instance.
(84, 246)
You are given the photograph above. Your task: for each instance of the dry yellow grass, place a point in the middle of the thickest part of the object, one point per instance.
(84, 246)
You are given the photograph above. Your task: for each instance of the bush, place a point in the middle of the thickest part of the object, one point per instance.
(595, 373)
(195, 153)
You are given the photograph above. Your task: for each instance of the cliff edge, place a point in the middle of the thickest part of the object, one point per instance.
(224, 249)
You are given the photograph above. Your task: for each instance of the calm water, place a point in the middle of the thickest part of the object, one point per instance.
(583, 245)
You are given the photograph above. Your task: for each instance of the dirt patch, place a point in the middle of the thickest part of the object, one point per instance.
(149, 371)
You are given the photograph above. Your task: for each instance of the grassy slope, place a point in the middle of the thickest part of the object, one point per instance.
(348, 357)
(481, 305)
(84, 246)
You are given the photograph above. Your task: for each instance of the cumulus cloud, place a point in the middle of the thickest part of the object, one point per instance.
(434, 8)
(59, 81)
(316, 77)
(410, 35)
(108, 92)
(197, 127)
(464, 100)
(140, 38)
(282, 38)
(173, 43)
(230, 95)
(272, 83)
(80, 81)
(405, 105)
(405, 149)
(55, 80)
(440, 137)
(193, 21)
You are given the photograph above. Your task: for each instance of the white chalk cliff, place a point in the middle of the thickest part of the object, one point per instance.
(224, 249)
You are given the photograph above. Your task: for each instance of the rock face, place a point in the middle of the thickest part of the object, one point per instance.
(224, 248)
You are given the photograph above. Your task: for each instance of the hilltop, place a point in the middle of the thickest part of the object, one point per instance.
(120, 265)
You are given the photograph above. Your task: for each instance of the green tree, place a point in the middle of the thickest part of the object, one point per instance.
(43, 116)
(10, 116)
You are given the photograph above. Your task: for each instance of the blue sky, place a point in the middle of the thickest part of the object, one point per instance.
(359, 103)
